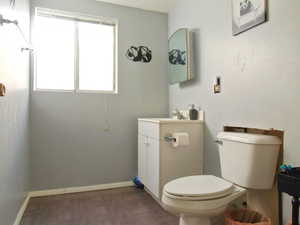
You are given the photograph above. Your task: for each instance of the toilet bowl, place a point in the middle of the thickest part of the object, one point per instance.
(198, 198)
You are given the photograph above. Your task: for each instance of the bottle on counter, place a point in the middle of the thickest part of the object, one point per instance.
(193, 113)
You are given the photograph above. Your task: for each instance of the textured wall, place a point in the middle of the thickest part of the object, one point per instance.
(70, 146)
(14, 116)
(259, 69)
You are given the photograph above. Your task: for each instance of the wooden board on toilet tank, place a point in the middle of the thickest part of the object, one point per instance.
(263, 201)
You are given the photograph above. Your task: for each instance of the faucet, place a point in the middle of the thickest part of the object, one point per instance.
(178, 114)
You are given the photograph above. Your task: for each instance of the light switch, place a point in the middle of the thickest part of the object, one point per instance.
(2, 90)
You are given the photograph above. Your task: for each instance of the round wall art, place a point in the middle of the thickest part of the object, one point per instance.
(139, 54)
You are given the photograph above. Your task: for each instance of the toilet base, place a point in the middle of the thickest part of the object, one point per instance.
(194, 220)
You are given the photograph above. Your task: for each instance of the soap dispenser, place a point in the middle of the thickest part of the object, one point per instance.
(193, 112)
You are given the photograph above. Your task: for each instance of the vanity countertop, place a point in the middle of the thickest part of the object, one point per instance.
(168, 120)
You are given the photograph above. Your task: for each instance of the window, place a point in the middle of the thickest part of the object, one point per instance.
(74, 53)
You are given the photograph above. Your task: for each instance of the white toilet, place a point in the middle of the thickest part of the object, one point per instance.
(247, 161)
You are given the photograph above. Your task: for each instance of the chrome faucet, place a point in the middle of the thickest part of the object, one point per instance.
(178, 114)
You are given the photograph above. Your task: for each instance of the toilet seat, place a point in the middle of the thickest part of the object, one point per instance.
(198, 188)
(193, 206)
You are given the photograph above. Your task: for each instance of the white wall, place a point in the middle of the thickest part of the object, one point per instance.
(260, 72)
(14, 114)
(69, 144)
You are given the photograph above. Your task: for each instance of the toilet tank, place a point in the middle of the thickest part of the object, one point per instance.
(249, 160)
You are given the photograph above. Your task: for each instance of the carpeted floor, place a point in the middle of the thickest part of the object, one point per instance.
(125, 206)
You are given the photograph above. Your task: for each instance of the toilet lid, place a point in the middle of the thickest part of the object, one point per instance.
(202, 187)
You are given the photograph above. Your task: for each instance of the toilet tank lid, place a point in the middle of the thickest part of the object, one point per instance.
(247, 138)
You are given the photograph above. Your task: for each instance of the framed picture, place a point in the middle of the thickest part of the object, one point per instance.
(247, 14)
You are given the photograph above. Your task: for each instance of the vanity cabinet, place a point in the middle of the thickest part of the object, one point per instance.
(158, 161)
(149, 163)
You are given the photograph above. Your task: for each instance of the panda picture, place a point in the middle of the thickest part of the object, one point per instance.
(177, 57)
(246, 6)
(139, 54)
(247, 14)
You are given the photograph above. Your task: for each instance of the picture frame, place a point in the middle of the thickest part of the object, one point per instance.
(247, 14)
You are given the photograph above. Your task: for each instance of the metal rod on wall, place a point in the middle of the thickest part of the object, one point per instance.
(12, 4)
(3, 21)
(16, 23)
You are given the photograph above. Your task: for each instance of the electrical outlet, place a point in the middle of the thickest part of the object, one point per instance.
(217, 85)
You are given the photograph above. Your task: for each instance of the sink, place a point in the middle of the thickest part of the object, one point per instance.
(172, 120)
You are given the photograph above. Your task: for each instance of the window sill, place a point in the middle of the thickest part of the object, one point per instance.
(74, 91)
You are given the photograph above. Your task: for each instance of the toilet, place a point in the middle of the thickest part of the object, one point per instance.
(247, 161)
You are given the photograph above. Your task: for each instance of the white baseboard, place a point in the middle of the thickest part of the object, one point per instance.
(79, 189)
(61, 191)
(22, 211)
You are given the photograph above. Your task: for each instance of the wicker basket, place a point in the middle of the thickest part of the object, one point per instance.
(245, 217)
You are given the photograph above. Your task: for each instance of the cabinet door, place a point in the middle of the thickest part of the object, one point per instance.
(142, 161)
(152, 157)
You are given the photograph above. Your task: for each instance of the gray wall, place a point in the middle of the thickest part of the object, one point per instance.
(14, 115)
(259, 69)
(70, 146)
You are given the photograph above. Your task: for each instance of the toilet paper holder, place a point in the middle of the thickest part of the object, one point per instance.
(170, 139)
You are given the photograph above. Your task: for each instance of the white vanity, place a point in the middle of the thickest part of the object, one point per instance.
(160, 160)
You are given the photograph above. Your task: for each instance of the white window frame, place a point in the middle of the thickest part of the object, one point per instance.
(86, 18)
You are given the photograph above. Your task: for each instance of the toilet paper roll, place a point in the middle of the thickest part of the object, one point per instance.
(181, 140)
